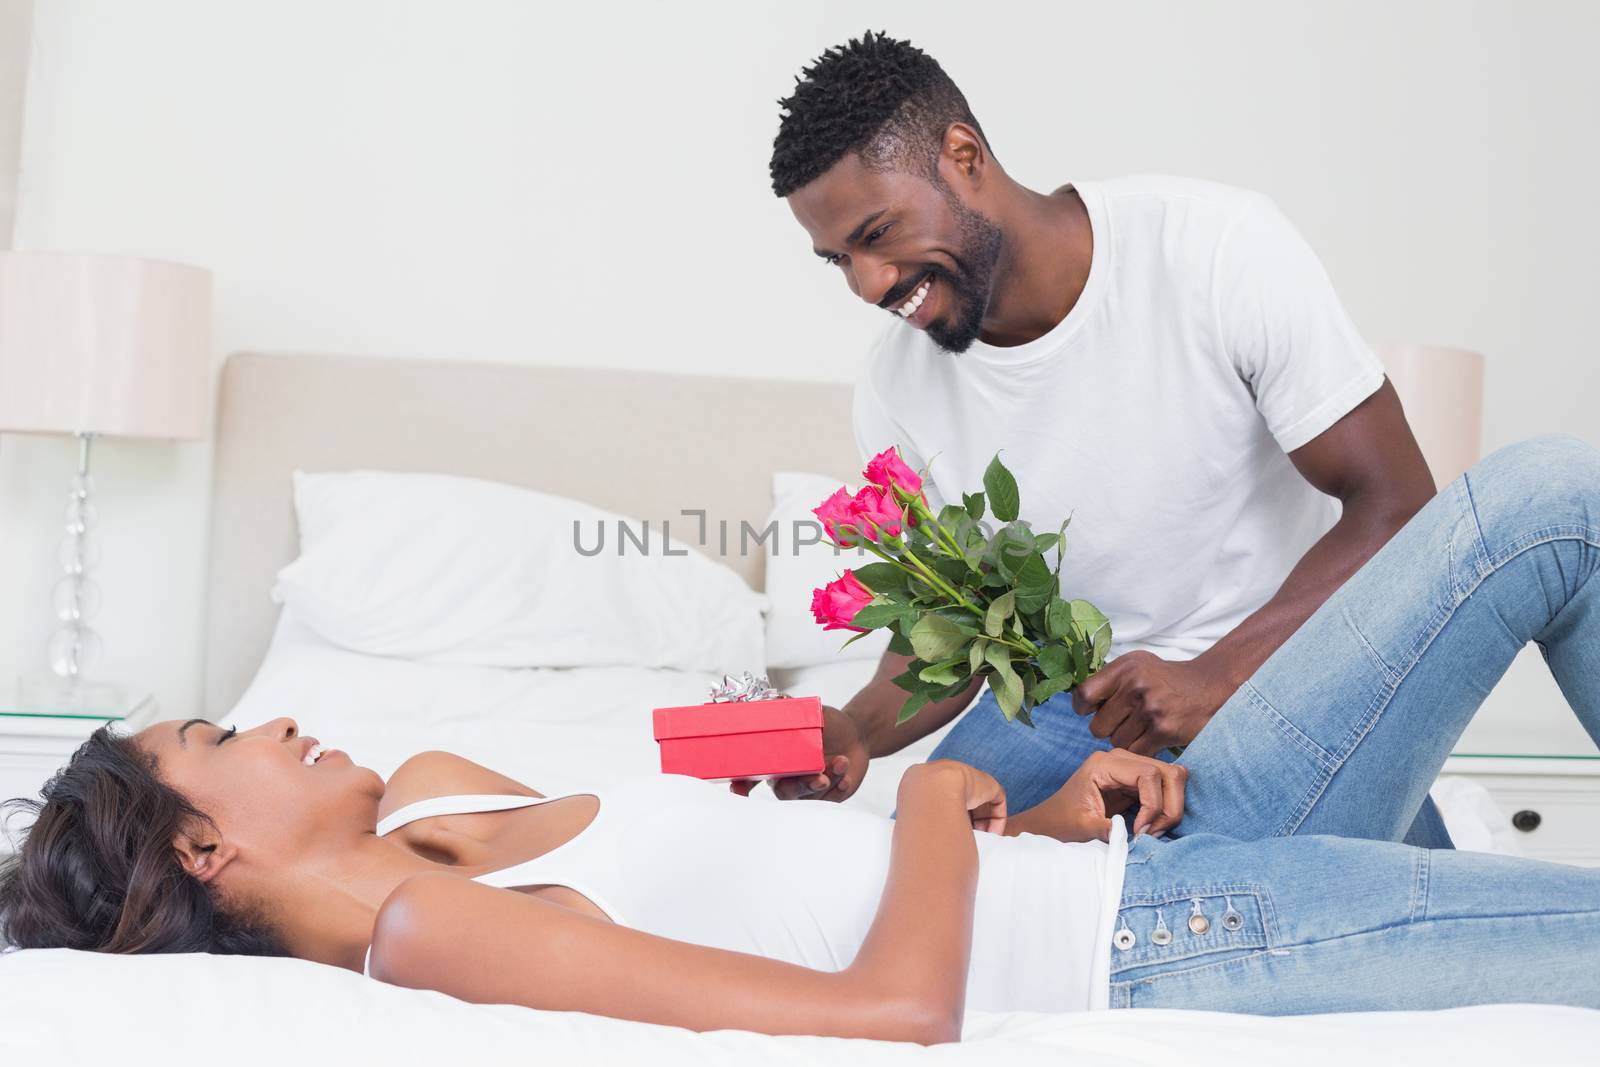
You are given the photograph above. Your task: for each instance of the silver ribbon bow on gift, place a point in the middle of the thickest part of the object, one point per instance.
(746, 687)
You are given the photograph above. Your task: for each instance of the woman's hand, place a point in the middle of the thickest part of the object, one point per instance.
(985, 798)
(1107, 784)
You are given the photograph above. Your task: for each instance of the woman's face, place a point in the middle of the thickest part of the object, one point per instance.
(256, 785)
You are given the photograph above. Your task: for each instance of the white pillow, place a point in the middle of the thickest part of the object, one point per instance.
(794, 639)
(456, 570)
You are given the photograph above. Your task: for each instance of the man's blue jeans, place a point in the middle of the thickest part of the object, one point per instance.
(1032, 764)
(1341, 732)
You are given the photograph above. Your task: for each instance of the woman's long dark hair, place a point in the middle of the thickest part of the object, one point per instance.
(97, 870)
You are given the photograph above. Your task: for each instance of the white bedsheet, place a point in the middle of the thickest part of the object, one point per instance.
(63, 1007)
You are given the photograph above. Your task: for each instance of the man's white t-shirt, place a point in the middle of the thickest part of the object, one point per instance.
(1207, 344)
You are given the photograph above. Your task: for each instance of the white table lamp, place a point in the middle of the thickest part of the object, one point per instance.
(95, 345)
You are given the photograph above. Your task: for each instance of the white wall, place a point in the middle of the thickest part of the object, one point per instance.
(16, 17)
(586, 183)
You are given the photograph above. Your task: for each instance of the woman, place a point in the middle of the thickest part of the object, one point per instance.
(671, 901)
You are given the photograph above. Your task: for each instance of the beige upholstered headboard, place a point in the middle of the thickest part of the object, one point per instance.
(640, 444)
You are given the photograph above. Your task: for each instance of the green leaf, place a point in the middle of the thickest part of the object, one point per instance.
(973, 502)
(1043, 543)
(1001, 487)
(1087, 615)
(909, 680)
(975, 654)
(935, 638)
(853, 639)
(1055, 661)
(947, 673)
(951, 570)
(1102, 645)
(1008, 694)
(954, 613)
(1057, 617)
(1080, 661)
(913, 704)
(974, 554)
(874, 616)
(998, 613)
(1011, 544)
(1028, 675)
(900, 645)
(953, 517)
(1046, 688)
(1035, 584)
(1007, 686)
(1062, 537)
(883, 578)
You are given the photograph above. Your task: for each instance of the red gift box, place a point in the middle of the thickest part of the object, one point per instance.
(742, 738)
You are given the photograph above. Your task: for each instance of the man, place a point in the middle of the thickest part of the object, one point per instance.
(1165, 360)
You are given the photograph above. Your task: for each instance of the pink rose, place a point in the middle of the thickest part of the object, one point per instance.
(834, 513)
(836, 603)
(889, 471)
(875, 511)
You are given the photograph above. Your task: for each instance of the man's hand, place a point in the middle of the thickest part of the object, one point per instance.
(845, 764)
(1144, 703)
(1107, 784)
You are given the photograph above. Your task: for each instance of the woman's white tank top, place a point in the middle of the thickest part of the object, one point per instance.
(800, 882)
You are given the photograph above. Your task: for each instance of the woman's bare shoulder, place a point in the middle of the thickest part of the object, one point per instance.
(437, 774)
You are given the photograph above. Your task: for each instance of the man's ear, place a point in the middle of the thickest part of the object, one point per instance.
(963, 157)
(203, 855)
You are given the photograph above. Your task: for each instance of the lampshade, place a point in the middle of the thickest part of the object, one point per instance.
(1442, 392)
(104, 345)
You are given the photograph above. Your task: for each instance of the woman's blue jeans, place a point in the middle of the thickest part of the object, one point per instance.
(1340, 733)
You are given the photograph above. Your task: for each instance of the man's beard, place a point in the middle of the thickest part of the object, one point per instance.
(970, 284)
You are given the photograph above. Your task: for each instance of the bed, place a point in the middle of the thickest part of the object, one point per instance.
(654, 446)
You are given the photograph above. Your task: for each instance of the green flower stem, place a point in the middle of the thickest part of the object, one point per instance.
(1021, 644)
(932, 578)
(876, 550)
(922, 512)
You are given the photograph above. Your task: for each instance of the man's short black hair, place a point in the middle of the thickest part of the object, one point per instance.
(879, 97)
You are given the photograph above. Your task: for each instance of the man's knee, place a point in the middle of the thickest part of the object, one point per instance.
(1547, 481)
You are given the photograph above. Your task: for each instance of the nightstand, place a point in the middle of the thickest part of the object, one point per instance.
(1553, 802)
(34, 744)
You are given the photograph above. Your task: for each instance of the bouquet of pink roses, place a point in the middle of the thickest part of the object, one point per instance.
(964, 601)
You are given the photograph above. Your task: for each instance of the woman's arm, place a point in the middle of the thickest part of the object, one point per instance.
(907, 983)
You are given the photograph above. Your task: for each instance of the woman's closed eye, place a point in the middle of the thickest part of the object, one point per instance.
(227, 734)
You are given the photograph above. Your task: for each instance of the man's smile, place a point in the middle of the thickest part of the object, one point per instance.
(909, 308)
